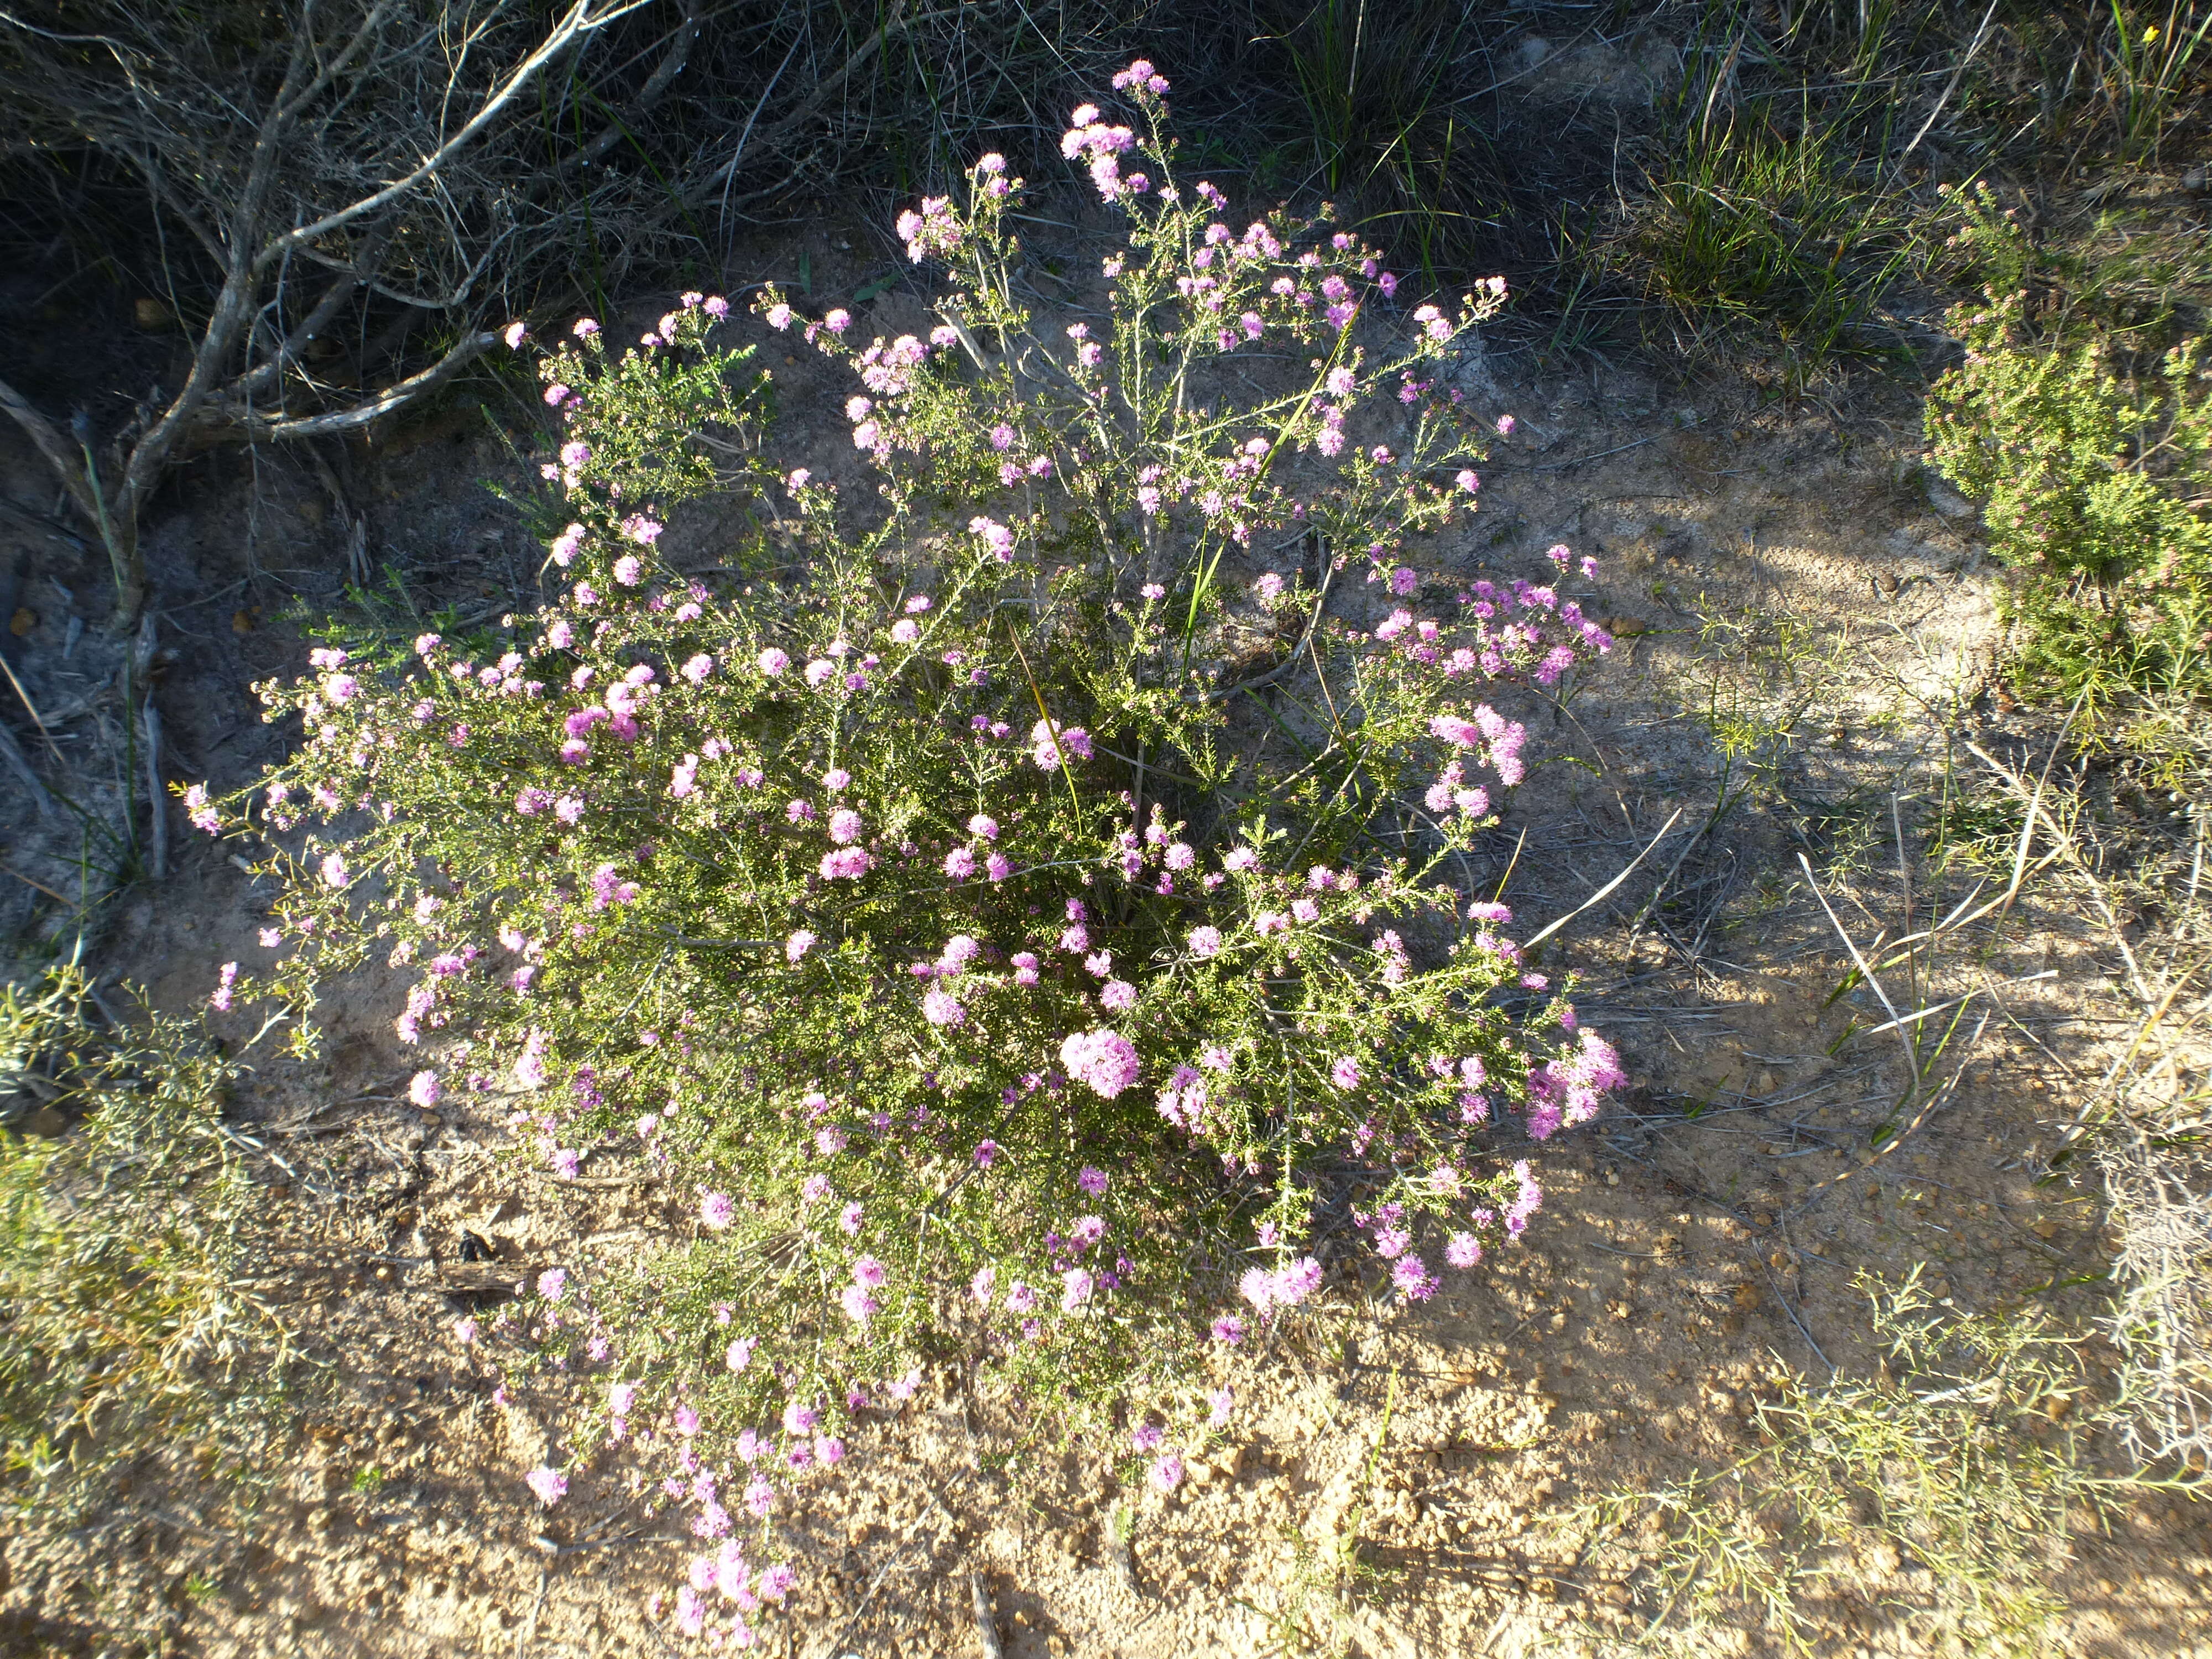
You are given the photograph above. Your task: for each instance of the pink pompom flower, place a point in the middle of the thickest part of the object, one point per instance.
(1103, 1061)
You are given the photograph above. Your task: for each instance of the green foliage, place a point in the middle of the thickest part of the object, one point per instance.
(1374, 88)
(1762, 222)
(1782, 198)
(1328, 1569)
(131, 1339)
(1761, 677)
(1959, 1465)
(668, 423)
(2096, 482)
(2148, 58)
(978, 914)
(1976, 830)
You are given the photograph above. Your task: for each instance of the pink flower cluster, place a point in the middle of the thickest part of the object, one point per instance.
(1567, 1091)
(1183, 1102)
(847, 864)
(1047, 742)
(609, 889)
(1141, 73)
(1269, 1291)
(200, 812)
(1089, 139)
(888, 370)
(1523, 628)
(1499, 739)
(728, 1576)
(991, 176)
(1103, 1061)
(1526, 1202)
(936, 229)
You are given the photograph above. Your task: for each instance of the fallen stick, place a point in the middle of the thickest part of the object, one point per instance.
(37, 719)
(28, 882)
(12, 754)
(160, 843)
(987, 1628)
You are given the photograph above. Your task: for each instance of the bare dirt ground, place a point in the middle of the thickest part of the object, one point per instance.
(1695, 1243)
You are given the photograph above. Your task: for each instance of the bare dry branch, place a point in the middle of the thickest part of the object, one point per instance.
(578, 21)
(361, 413)
(343, 171)
(52, 443)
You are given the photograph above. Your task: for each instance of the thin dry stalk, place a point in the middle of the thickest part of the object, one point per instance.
(2146, 1123)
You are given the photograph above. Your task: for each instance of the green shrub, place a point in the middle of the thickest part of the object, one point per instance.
(130, 1342)
(2095, 482)
(983, 923)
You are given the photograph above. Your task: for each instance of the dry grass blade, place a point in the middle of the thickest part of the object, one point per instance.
(2066, 846)
(1606, 891)
(2159, 1190)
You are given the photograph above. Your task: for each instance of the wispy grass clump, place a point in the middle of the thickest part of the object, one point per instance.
(1779, 204)
(1752, 226)
(1938, 1490)
(133, 1347)
(1375, 85)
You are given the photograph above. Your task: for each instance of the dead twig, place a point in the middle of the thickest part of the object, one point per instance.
(537, 1606)
(293, 157)
(31, 707)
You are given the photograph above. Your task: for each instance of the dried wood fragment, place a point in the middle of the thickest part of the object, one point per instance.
(156, 800)
(13, 757)
(987, 1627)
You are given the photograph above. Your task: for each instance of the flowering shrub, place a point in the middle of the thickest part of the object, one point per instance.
(989, 922)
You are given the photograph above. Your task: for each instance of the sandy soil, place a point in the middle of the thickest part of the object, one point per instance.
(1697, 1241)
